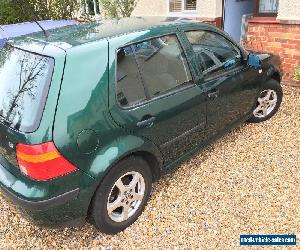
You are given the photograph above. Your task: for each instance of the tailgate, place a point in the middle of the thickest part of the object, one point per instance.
(29, 87)
(8, 158)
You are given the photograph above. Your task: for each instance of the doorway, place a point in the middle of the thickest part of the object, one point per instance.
(233, 14)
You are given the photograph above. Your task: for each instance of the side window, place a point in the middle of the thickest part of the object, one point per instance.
(162, 64)
(205, 61)
(218, 48)
(130, 91)
(150, 68)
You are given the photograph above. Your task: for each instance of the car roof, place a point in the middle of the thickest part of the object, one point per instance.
(78, 34)
(20, 29)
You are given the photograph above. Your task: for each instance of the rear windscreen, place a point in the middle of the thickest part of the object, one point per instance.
(24, 84)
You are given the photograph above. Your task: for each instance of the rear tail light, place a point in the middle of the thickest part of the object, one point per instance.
(42, 162)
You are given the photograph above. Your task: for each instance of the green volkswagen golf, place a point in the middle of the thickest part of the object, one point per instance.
(92, 114)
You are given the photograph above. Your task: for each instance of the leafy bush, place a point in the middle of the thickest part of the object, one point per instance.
(126, 7)
(109, 8)
(117, 8)
(13, 11)
(10, 13)
(54, 9)
(297, 74)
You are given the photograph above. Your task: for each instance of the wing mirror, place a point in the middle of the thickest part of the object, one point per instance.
(254, 61)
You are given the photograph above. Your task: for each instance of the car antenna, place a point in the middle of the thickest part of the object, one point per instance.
(35, 20)
(2, 29)
(41, 27)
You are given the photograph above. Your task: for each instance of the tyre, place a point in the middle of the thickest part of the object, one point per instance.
(122, 195)
(268, 102)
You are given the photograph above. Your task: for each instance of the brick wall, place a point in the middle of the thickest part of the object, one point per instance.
(278, 38)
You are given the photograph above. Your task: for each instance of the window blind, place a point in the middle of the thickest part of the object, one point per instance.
(268, 6)
(175, 5)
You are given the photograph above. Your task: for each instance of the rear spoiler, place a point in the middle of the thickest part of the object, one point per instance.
(3, 39)
(2, 42)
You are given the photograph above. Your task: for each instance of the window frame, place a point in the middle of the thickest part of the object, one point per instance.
(205, 73)
(183, 11)
(172, 91)
(263, 14)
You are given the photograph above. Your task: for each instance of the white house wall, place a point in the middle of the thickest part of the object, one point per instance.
(151, 8)
(289, 10)
(205, 8)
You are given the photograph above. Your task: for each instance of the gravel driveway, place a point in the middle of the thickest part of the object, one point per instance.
(247, 182)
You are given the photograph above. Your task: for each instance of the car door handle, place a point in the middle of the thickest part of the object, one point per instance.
(213, 94)
(147, 122)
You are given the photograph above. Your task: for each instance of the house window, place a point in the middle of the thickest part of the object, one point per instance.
(182, 5)
(267, 7)
(190, 4)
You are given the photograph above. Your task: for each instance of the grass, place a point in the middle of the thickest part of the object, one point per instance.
(297, 74)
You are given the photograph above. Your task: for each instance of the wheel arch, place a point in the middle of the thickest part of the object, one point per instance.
(154, 164)
(149, 152)
(276, 76)
(152, 160)
(121, 148)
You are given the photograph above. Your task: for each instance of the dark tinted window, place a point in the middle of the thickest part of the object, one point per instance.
(213, 42)
(130, 90)
(150, 68)
(162, 64)
(24, 84)
(206, 62)
(216, 46)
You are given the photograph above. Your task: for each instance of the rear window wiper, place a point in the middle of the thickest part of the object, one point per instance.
(4, 121)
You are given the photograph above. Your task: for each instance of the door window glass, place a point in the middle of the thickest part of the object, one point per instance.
(213, 42)
(130, 91)
(205, 61)
(162, 64)
(221, 51)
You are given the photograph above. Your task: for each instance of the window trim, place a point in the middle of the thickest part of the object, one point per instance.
(172, 91)
(238, 49)
(266, 14)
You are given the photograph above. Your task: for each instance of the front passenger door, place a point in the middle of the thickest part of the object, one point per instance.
(223, 69)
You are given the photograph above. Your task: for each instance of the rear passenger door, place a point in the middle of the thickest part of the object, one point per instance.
(155, 95)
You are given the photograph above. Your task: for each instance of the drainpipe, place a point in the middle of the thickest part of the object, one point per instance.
(95, 7)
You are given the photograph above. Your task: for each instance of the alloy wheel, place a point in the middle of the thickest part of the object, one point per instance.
(266, 103)
(126, 196)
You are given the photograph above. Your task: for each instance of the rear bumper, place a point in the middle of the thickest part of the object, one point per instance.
(66, 209)
(41, 205)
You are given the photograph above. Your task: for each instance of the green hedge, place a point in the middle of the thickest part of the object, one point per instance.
(11, 13)
(14, 11)
(118, 8)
